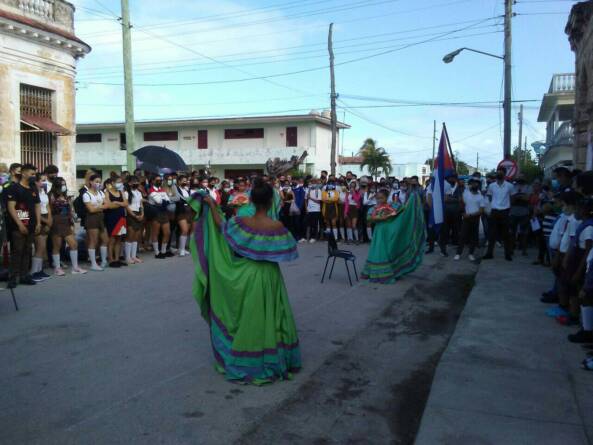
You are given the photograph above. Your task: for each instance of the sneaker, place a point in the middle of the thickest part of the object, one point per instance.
(38, 278)
(556, 312)
(457, 257)
(444, 254)
(28, 281)
(508, 257)
(549, 298)
(183, 253)
(169, 254)
(488, 257)
(123, 263)
(471, 257)
(160, 256)
(59, 272)
(97, 268)
(115, 264)
(104, 265)
(581, 337)
(78, 271)
(567, 320)
(302, 240)
(44, 275)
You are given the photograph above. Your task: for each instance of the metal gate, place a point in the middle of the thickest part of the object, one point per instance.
(37, 147)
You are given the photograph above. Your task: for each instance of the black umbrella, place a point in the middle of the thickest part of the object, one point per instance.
(160, 158)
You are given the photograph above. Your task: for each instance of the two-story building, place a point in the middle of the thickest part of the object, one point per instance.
(557, 111)
(38, 53)
(227, 147)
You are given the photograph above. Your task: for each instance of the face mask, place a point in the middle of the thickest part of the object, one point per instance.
(119, 186)
(4, 178)
(169, 182)
(64, 189)
(97, 186)
(174, 181)
(227, 189)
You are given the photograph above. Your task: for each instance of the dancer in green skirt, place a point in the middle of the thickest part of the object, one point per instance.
(240, 289)
(397, 247)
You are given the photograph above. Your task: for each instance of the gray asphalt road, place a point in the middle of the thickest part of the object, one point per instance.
(124, 357)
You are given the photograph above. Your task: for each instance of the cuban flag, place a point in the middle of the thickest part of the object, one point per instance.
(443, 166)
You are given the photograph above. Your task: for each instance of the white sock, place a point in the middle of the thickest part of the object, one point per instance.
(74, 258)
(135, 249)
(587, 317)
(93, 257)
(182, 242)
(103, 250)
(163, 248)
(369, 232)
(349, 231)
(36, 265)
(335, 233)
(128, 250)
(155, 247)
(56, 259)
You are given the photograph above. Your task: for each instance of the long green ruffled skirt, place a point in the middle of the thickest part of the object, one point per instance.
(397, 247)
(252, 328)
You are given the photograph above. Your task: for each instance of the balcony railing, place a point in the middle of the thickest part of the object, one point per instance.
(42, 8)
(564, 135)
(562, 83)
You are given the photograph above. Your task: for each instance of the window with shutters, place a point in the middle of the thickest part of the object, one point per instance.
(202, 139)
(244, 133)
(154, 136)
(37, 147)
(291, 137)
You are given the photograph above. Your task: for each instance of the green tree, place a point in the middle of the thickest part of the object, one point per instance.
(527, 165)
(374, 158)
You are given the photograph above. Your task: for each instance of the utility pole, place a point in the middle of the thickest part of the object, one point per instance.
(128, 84)
(434, 142)
(508, 81)
(520, 129)
(478, 161)
(334, 117)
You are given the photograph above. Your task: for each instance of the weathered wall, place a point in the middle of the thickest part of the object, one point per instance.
(580, 35)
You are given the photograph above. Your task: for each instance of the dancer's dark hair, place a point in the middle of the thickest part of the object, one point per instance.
(261, 193)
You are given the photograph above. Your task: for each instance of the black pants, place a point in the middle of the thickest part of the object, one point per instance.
(362, 217)
(470, 232)
(449, 229)
(21, 249)
(498, 227)
(313, 221)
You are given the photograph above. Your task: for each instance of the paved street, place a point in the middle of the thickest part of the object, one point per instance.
(124, 357)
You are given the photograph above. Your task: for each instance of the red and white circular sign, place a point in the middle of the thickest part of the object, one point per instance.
(510, 166)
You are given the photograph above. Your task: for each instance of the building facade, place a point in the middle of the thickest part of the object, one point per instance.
(226, 147)
(399, 171)
(557, 111)
(580, 35)
(38, 53)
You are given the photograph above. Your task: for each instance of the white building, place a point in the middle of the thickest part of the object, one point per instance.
(557, 111)
(38, 53)
(399, 171)
(228, 147)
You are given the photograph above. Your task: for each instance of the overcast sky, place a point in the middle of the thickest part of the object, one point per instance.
(192, 59)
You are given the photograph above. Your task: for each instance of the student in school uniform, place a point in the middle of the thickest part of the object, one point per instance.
(473, 205)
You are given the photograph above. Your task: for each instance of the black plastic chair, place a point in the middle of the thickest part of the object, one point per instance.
(334, 252)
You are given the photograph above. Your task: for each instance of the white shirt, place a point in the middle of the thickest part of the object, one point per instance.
(95, 199)
(313, 206)
(368, 199)
(473, 202)
(586, 234)
(43, 201)
(500, 195)
(557, 231)
(342, 197)
(158, 196)
(403, 196)
(571, 231)
(136, 200)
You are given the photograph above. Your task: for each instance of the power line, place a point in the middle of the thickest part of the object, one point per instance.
(270, 76)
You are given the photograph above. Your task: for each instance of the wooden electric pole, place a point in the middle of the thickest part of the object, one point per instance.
(434, 142)
(508, 82)
(520, 129)
(128, 84)
(334, 117)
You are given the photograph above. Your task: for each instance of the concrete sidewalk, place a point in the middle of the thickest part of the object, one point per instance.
(509, 374)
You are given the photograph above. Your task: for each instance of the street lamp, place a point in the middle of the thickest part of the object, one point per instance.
(507, 92)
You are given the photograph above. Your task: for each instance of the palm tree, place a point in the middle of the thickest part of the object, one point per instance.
(374, 158)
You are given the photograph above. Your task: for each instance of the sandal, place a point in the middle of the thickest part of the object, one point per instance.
(588, 364)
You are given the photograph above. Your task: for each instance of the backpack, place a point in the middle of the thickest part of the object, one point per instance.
(80, 206)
